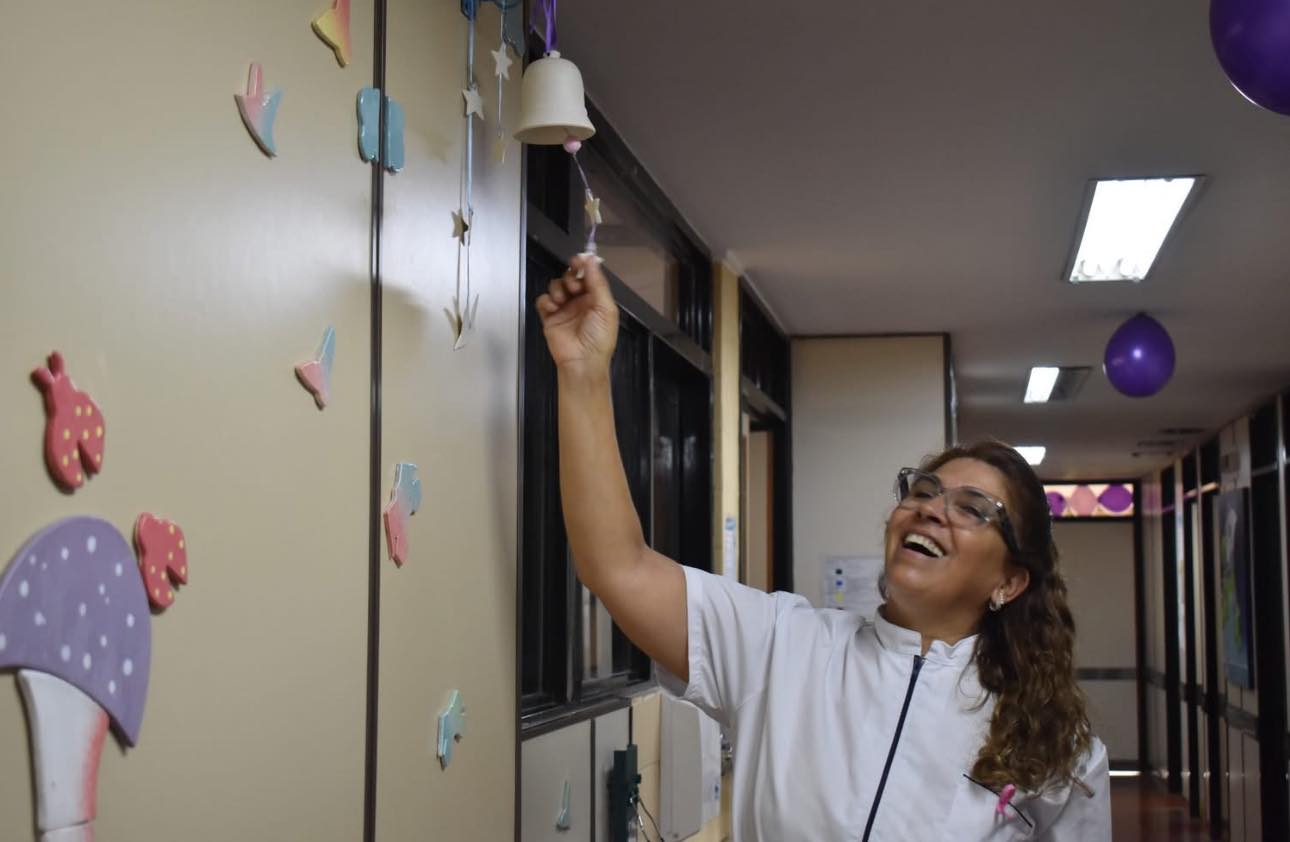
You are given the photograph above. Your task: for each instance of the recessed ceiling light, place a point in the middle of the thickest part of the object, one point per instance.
(1055, 383)
(1125, 222)
(1033, 454)
(1040, 386)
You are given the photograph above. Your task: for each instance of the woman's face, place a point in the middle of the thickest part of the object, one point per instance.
(958, 575)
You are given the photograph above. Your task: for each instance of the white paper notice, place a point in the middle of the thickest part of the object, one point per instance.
(851, 583)
(730, 548)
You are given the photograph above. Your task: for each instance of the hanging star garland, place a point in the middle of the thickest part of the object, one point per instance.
(461, 316)
(501, 58)
(474, 105)
(502, 70)
(460, 227)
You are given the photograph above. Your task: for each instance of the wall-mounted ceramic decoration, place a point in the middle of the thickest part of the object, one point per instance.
(332, 26)
(74, 427)
(405, 499)
(75, 625)
(259, 110)
(163, 558)
(315, 375)
(452, 727)
(370, 143)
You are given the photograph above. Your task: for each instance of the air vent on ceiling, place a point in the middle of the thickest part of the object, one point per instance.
(1168, 444)
(1181, 431)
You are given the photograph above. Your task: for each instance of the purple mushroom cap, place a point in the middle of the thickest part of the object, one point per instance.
(72, 605)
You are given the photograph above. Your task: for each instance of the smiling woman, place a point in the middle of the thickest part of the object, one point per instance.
(954, 714)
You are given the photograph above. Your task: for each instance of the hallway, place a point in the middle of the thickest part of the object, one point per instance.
(1141, 810)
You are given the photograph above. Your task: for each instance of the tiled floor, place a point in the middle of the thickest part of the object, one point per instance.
(1141, 810)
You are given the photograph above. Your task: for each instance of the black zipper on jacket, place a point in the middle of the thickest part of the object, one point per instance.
(994, 791)
(891, 753)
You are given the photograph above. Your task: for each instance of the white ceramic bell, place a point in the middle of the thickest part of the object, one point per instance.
(552, 108)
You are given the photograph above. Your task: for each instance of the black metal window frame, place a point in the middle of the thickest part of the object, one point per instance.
(662, 390)
(765, 375)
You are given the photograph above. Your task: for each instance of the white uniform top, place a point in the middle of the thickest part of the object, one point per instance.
(842, 730)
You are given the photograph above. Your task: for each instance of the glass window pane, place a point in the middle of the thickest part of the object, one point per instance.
(606, 651)
(627, 242)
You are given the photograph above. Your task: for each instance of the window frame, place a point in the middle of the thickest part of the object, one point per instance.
(551, 684)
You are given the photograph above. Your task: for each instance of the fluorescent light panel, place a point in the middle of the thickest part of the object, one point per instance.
(1128, 220)
(1040, 386)
(1033, 454)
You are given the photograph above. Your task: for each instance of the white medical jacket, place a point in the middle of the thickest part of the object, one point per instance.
(844, 731)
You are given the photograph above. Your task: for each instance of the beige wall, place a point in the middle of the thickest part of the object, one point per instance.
(862, 408)
(183, 275)
(448, 615)
(1097, 561)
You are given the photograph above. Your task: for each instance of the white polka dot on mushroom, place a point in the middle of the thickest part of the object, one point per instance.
(39, 619)
(112, 687)
(87, 661)
(118, 568)
(82, 609)
(102, 589)
(31, 560)
(128, 667)
(129, 620)
(23, 589)
(4, 642)
(91, 544)
(64, 553)
(65, 653)
(102, 641)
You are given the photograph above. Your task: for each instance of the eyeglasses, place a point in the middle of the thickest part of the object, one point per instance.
(965, 507)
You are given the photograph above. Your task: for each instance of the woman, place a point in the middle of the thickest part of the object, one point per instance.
(954, 715)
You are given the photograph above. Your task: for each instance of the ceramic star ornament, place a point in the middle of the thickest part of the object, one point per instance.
(500, 145)
(460, 226)
(461, 321)
(501, 62)
(474, 105)
(592, 208)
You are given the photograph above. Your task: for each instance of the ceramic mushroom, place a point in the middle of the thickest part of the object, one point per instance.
(74, 622)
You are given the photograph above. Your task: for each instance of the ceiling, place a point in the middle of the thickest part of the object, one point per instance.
(916, 166)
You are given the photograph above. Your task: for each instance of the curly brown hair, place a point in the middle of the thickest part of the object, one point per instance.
(1025, 651)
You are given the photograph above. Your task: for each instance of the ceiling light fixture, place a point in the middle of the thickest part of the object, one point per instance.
(1040, 386)
(1033, 454)
(1055, 383)
(1123, 225)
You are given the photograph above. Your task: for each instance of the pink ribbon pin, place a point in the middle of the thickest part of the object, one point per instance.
(1005, 796)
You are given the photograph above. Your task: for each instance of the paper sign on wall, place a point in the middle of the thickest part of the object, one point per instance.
(730, 548)
(851, 583)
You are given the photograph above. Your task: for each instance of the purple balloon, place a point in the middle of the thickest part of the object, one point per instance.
(1252, 40)
(1140, 357)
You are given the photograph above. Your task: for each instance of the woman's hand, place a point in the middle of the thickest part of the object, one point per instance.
(580, 318)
